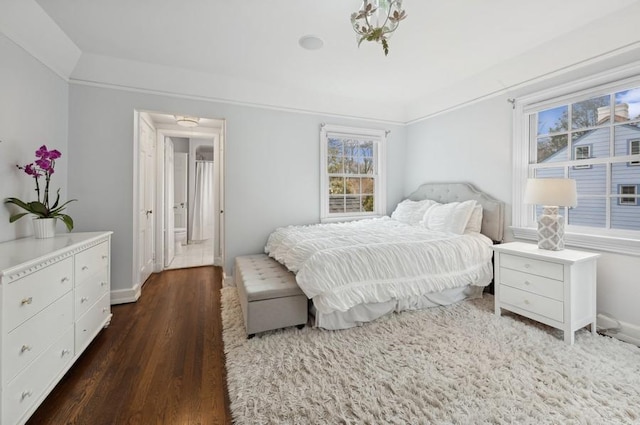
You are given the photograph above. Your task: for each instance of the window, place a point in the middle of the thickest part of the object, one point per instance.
(634, 149)
(628, 189)
(582, 152)
(589, 131)
(352, 169)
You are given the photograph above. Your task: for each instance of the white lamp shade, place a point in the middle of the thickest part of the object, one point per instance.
(551, 192)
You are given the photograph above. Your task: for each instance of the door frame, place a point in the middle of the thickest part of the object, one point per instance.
(200, 133)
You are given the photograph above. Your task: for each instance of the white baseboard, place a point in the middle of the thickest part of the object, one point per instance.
(623, 331)
(123, 296)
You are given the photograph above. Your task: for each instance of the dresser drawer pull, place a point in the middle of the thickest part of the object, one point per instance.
(85, 268)
(64, 279)
(84, 299)
(25, 348)
(104, 257)
(26, 394)
(65, 352)
(526, 282)
(26, 301)
(527, 265)
(105, 309)
(103, 283)
(527, 302)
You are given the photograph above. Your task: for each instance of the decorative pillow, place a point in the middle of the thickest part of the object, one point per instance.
(412, 212)
(451, 217)
(474, 225)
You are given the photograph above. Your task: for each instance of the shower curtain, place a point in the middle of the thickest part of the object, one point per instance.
(203, 213)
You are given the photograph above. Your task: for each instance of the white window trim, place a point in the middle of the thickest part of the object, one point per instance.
(379, 196)
(523, 225)
(632, 196)
(631, 142)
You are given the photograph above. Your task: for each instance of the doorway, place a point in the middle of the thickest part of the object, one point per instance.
(186, 228)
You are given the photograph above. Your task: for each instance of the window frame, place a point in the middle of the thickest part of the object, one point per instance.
(523, 219)
(622, 199)
(630, 152)
(379, 137)
(575, 156)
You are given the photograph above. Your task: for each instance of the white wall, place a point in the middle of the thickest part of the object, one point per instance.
(33, 112)
(271, 167)
(474, 144)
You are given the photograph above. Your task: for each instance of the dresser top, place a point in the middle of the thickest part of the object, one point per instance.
(26, 251)
(530, 250)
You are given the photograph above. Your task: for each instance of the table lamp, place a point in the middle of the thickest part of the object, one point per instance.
(551, 194)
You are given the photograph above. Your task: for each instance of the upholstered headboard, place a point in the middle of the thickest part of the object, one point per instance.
(492, 209)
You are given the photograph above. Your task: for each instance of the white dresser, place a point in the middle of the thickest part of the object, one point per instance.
(557, 288)
(54, 299)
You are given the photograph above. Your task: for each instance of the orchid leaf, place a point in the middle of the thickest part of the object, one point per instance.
(61, 207)
(67, 220)
(38, 208)
(55, 204)
(17, 217)
(18, 202)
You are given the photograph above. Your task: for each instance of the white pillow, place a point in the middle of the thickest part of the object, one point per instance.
(474, 225)
(412, 212)
(451, 217)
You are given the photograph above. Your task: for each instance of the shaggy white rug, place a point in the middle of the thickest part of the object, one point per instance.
(449, 365)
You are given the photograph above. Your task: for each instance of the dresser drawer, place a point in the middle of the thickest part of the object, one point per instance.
(29, 340)
(29, 385)
(91, 261)
(528, 265)
(27, 296)
(538, 304)
(532, 283)
(90, 323)
(91, 291)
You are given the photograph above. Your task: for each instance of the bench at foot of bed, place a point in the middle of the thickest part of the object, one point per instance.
(269, 295)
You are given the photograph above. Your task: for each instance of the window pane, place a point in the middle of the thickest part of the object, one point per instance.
(353, 185)
(627, 140)
(552, 148)
(553, 120)
(351, 147)
(367, 186)
(351, 165)
(366, 149)
(336, 204)
(367, 203)
(597, 141)
(335, 147)
(334, 165)
(550, 173)
(366, 166)
(590, 181)
(628, 106)
(589, 212)
(625, 179)
(591, 112)
(352, 204)
(336, 185)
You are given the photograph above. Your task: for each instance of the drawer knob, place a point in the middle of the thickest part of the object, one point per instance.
(105, 309)
(26, 394)
(25, 348)
(526, 302)
(26, 301)
(65, 352)
(84, 299)
(527, 265)
(526, 282)
(103, 283)
(85, 268)
(104, 257)
(64, 279)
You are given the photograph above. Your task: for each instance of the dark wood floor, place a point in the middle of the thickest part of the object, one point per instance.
(161, 361)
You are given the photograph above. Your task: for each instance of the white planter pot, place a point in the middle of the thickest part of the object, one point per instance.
(44, 227)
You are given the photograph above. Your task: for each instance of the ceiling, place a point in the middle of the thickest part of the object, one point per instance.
(440, 45)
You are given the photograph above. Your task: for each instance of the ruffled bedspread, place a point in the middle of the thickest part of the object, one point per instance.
(341, 265)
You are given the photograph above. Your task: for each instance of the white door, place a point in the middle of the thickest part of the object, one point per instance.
(146, 180)
(169, 235)
(180, 177)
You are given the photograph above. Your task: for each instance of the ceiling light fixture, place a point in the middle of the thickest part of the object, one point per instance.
(377, 20)
(186, 121)
(311, 42)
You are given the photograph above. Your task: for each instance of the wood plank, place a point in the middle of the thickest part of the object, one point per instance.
(161, 361)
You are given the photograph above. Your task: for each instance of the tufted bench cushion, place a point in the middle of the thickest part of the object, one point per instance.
(269, 295)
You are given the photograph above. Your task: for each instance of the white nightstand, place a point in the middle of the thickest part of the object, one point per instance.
(557, 288)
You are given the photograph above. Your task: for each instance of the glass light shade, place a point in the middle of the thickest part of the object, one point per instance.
(551, 192)
(186, 121)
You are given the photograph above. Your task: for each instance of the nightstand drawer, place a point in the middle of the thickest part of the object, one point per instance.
(528, 265)
(532, 283)
(538, 304)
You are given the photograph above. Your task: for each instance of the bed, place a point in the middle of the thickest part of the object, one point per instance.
(434, 250)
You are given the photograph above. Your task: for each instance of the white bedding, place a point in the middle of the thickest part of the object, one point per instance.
(342, 265)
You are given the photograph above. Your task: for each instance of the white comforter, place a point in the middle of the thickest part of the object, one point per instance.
(345, 264)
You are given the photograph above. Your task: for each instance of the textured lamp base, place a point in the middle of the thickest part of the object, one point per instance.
(550, 229)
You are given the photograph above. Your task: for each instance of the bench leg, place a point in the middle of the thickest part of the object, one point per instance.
(250, 336)
(300, 326)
